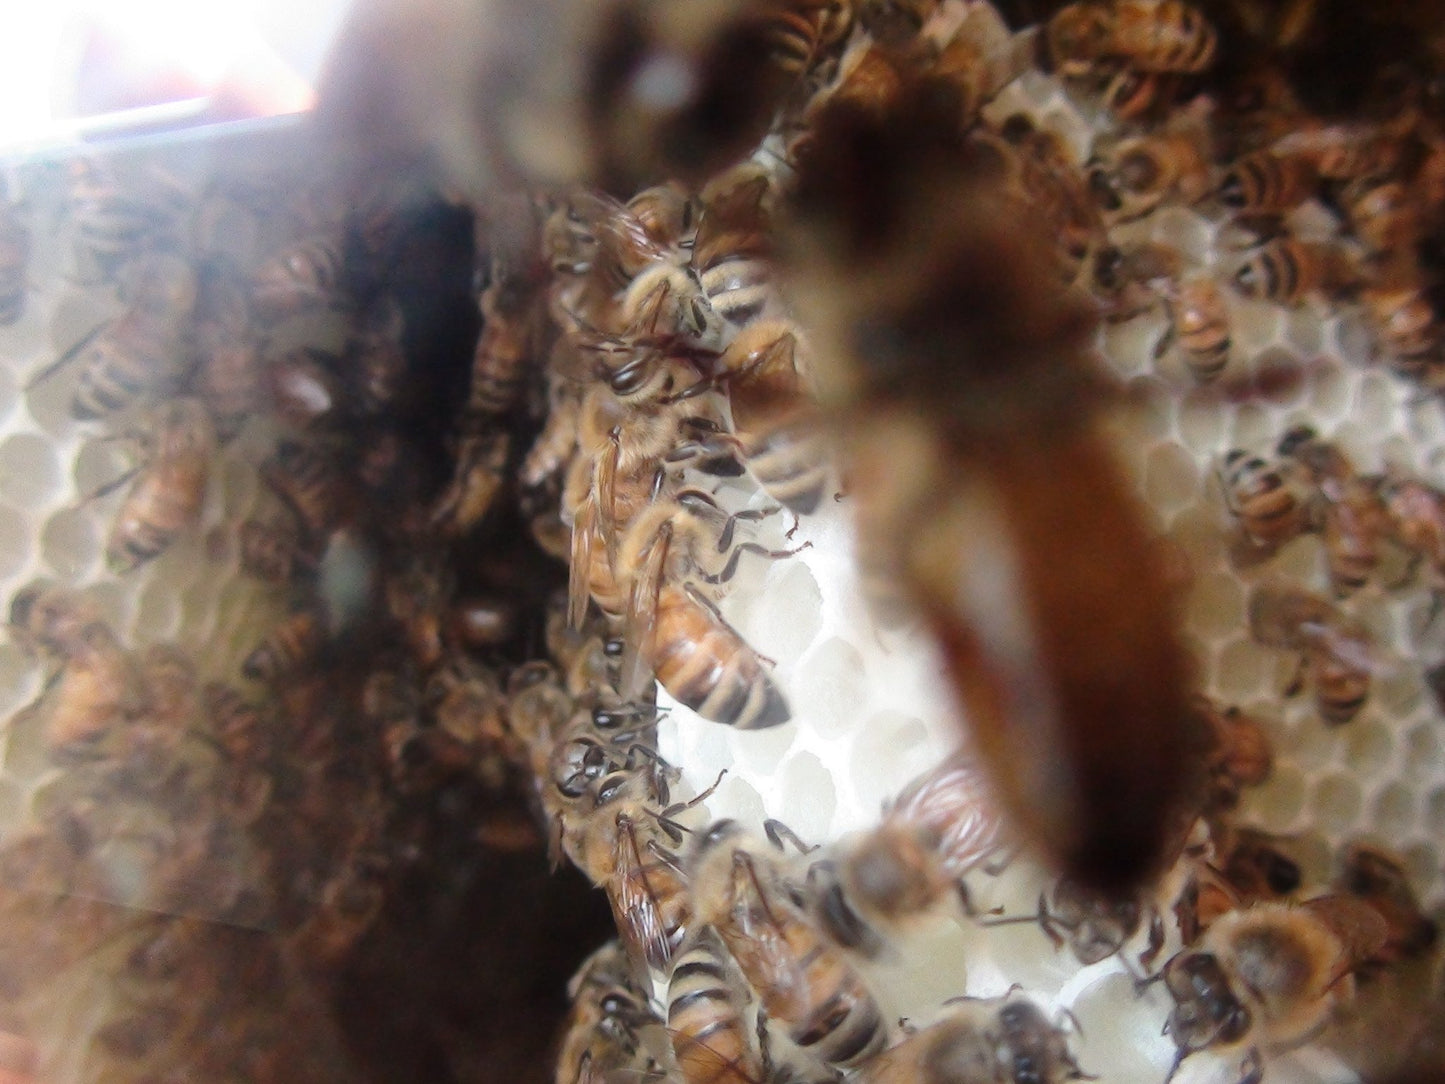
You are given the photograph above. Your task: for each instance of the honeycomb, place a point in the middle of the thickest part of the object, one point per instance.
(871, 706)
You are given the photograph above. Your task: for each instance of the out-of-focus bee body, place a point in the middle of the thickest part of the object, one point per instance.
(292, 644)
(305, 391)
(801, 980)
(304, 274)
(946, 360)
(1134, 178)
(1267, 499)
(117, 217)
(1377, 878)
(306, 478)
(732, 250)
(600, 1036)
(1006, 1040)
(165, 500)
(272, 551)
(501, 364)
(1417, 517)
(239, 726)
(139, 352)
(1266, 183)
(1168, 36)
(480, 476)
(1355, 521)
(774, 415)
(1383, 213)
(52, 618)
(14, 261)
(1287, 271)
(553, 449)
(711, 1040)
(1199, 324)
(97, 690)
(1407, 330)
(1334, 647)
(1051, 185)
(227, 374)
(1240, 755)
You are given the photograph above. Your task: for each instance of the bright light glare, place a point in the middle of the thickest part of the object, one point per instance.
(160, 58)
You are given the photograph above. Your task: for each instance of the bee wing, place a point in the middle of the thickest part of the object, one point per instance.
(952, 801)
(640, 923)
(641, 626)
(579, 571)
(703, 1062)
(760, 945)
(604, 486)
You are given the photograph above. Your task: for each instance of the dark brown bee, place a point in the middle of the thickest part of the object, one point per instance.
(506, 348)
(480, 476)
(1094, 927)
(1265, 183)
(1384, 213)
(1379, 879)
(1287, 271)
(1333, 647)
(292, 644)
(165, 499)
(1355, 521)
(1168, 36)
(1240, 755)
(305, 476)
(954, 370)
(303, 274)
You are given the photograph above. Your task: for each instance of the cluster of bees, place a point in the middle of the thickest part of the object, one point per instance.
(891, 303)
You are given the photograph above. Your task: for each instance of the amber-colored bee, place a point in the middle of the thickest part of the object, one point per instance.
(301, 275)
(600, 1036)
(14, 261)
(1266, 183)
(165, 499)
(119, 214)
(1240, 755)
(712, 1040)
(1407, 328)
(733, 248)
(292, 644)
(305, 476)
(506, 348)
(1355, 521)
(272, 551)
(51, 617)
(1417, 516)
(480, 475)
(1167, 36)
(1333, 647)
(954, 369)
(1287, 271)
(1094, 927)
(1135, 177)
(1007, 1040)
(139, 352)
(240, 727)
(1379, 879)
(802, 981)
(1383, 213)
(97, 691)
(1268, 499)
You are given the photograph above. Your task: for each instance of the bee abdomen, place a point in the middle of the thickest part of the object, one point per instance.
(738, 288)
(790, 466)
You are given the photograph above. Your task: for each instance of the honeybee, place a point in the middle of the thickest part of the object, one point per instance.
(1268, 499)
(1286, 271)
(1050, 185)
(271, 550)
(239, 726)
(117, 214)
(481, 621)
(1406, 327)
(166, 498)
(1199, 324)
(505, 351)
(1383, 213)
(304, 390)
(301, 275)
(773, 414)
(140, 351)
(1334, 647)
(1266, 183)
(480, 476)
(1272, 971)
(375, 360)
(51, 617)
(1240, 754)
(1130, 279)
(1095, 927)
(14, 261)
(732, 251)
(801, 980)
(1355, 521)
(1376, 877)
(600, 1036)
(1417, 517)
(311, 484)
(97, 690)
(1007, 1040)
(292, 644)
(954, 370)
(1168, 36)
(1135, 177)
(1253, 869)
(711, 1040)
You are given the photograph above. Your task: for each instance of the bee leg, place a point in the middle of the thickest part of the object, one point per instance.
(965, 899)
(109, 487)
(1297, 679)
(65, 358)
(725, 540)
(665, 817)
(779, 833)
(1156, 940)
(731, 568)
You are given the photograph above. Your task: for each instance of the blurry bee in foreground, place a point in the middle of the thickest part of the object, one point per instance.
(600, 1037)
(956, 374)
(802, 981)
(1355, 522)
(14, 261)
(1269, 499)
(292, 644)
(1168, 36)
(1007, 1040)
(303, 274)
(1287, 271)
(1271, 972)
(1383, 213)
(1379, 879)
(1133, 178)
(1333, 647)
(712, 1041)
(165, 500)
(1417, 519)
(272, 551)
(118, 214)
(139, 352)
